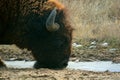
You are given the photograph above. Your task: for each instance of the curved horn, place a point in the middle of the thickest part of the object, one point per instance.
(50, 23)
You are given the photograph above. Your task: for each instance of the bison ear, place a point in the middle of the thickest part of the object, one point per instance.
(50, 22)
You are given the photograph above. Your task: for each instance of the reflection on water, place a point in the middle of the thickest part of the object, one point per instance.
(100, 66)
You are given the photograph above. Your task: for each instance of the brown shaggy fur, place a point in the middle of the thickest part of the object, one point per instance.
(22, 22)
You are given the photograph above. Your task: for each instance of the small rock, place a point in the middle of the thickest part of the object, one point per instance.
(12, 59)
(104, 44)
(113, 50)
(92, 47)
(73, 59)
(77, 60)
(76, 45)
(93, 43)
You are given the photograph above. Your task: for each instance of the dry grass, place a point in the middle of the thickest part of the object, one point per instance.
(95, 19)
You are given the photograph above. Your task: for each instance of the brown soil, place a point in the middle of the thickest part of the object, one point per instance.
(47, 74)
(11, 52)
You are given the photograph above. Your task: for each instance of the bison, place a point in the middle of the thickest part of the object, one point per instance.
(41, 26)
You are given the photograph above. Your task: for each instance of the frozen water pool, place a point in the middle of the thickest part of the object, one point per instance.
(97, 66)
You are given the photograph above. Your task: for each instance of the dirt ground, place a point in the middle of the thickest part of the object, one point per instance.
(11, 52)
(47, 74)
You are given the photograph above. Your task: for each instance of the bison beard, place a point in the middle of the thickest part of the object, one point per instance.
(40, 26)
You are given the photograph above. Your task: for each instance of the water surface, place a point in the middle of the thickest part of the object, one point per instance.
(97, 66)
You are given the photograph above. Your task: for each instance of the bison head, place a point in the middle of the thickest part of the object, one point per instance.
(51, 45)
